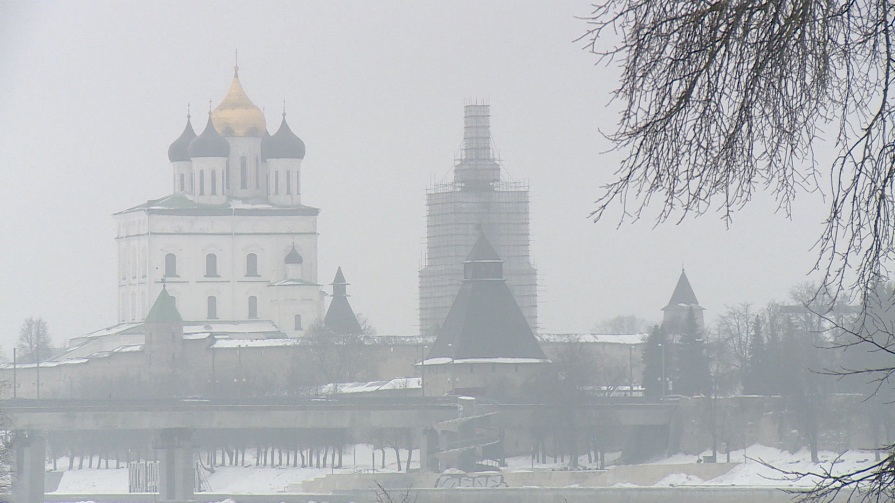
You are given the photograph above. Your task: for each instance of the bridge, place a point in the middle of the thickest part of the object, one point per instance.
(174, 422)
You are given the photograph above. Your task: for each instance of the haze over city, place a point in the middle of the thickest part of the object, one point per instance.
(92, 94)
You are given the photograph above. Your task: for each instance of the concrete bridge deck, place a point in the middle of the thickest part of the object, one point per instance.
(74, 415)
(347, 413)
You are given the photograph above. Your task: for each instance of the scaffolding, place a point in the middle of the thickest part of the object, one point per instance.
(476, 202)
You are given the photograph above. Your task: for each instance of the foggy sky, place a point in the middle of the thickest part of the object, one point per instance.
(92, 94)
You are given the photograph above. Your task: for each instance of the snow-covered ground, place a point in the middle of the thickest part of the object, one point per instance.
(764, 466)
(758, 465)
(751, 470)
(238, 480)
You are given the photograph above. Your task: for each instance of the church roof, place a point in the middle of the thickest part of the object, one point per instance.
(284, 144)
(209, 143)
(183, 204)
(164, 309)
(180, 149)
(485, 321)
(683, 293)
(236, 115)
(293, 257)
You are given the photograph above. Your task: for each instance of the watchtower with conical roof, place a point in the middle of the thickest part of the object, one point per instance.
(340, 317)
(163, 346)
(485, 341)
(683, 302)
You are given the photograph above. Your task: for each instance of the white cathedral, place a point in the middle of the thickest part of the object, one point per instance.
(232, 241)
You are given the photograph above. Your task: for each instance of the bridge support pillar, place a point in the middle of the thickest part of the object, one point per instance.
(177, 470)
(28, 480)
(428, 448)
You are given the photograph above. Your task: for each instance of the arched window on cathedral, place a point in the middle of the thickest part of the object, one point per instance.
(170, 265)
(214, 182)
(202, 183)
(297, 183)
(251, 264)
(182, 180)
(212, 308)
(298, 322)
(211, 265)
(243, 173)
(257, 174)
(253, 307)
(288, 182)
(276, 182)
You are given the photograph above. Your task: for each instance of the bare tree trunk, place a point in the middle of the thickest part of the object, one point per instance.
(398, 455)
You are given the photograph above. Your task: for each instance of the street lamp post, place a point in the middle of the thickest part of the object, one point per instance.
(453, 368)
(664, 382)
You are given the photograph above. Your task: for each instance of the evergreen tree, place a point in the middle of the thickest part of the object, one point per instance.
(754, 379)
(652, 362)
(693, 364)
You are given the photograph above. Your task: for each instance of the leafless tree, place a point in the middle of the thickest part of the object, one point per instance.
(735, 331)
(720, 97)
(34, 341)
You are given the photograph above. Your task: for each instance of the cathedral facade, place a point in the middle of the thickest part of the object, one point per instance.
(232, 241)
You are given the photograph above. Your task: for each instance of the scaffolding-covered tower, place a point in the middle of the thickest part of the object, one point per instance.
(476, 202)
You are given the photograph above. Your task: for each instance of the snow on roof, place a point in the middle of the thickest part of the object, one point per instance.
(594, 338)
(367, 387)
(113, 330)
(293, 282)
(400, 340)
(254, 343)
(444, 360)
(196, 336)
(46, 364)
(234, 327)
(189, 328)
(128, 348)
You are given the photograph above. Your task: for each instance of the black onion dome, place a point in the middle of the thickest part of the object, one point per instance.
(180, 149)
(209, 143)
(284, 144)
(293, 257)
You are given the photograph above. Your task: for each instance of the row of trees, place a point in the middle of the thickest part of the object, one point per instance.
(677, 362)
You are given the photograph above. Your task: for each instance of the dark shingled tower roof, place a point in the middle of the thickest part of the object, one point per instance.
(683, 293)
(340, 318)
(164, 310)
(485, 321)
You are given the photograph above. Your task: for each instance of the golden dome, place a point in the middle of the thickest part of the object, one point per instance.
(237, 115)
